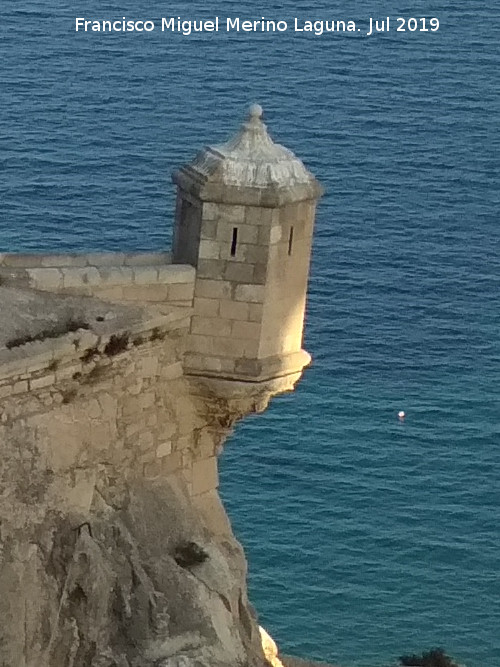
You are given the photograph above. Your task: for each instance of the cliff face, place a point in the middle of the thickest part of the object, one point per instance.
(144, 581)
(115, 548)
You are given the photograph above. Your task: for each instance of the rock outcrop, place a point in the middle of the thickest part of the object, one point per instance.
(143, 582)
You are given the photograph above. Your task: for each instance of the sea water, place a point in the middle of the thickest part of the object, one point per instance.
(367, 536)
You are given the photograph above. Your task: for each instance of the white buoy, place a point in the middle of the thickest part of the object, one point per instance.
(401, 414)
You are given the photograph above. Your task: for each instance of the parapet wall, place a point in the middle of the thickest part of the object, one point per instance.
(114, 276)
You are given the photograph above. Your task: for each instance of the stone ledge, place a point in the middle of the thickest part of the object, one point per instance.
(246, 370)
(97, 259)
(234, 390)
(68, 279)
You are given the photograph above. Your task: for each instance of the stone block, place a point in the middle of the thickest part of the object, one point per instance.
(240, 254)
(203, 363)
(260, 274)
(41, 382)
(18, 387)
(172, 371)
(171, 463)
(38, 357)
(93, 409)
(63, 260)
(256, 254)
(109, 406)
(249, 293)
(239, 272)
(208, 230)
(234, 348)
(152, 470)
(110, 293)
(67, 372)
(212, 269)
(213, 289)
(45, 279)
(149, 366)
(146, 400)
(248, 234)
(205, 475)
(233, 310)
(187, 476)
(164, 449)
(22, 260)
(176, 273)
(6, 390)
(275, 234)
(115, 275)
(181, 292)
(88, 276)
(206, 307)
(248, 367)
(154, 293)
(205, 444)
(167, 431)
(288, 215)
(130, 407)
(145, 275)
(264, 235)
(210, 211)
(145, 441)
(71, 280)
(256, 215)
(251, 330)
(209, 250)
(200, 344)
(211, 326)
(225, 232)
(184, 443)
(132, 429)
(255, 311)
(232, 214)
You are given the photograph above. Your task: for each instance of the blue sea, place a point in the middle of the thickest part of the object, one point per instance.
(367, 537)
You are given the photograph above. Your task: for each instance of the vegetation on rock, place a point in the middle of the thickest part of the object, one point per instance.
(434, 658)
(55, 331)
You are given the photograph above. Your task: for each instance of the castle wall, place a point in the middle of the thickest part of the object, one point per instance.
(74, 407)
(114, 276)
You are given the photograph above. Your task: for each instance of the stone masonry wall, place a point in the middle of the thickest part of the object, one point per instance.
(119, 400)
(119, 277)
(229, 290)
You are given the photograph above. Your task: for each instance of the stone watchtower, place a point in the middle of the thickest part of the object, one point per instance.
(244, 218)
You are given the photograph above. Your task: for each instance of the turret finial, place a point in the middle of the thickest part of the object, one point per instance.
(255, 112)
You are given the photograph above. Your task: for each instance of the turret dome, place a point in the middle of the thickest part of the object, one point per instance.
(251, 167)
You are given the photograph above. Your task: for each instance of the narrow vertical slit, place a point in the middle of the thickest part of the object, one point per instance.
(290, 241)
(234, 241)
